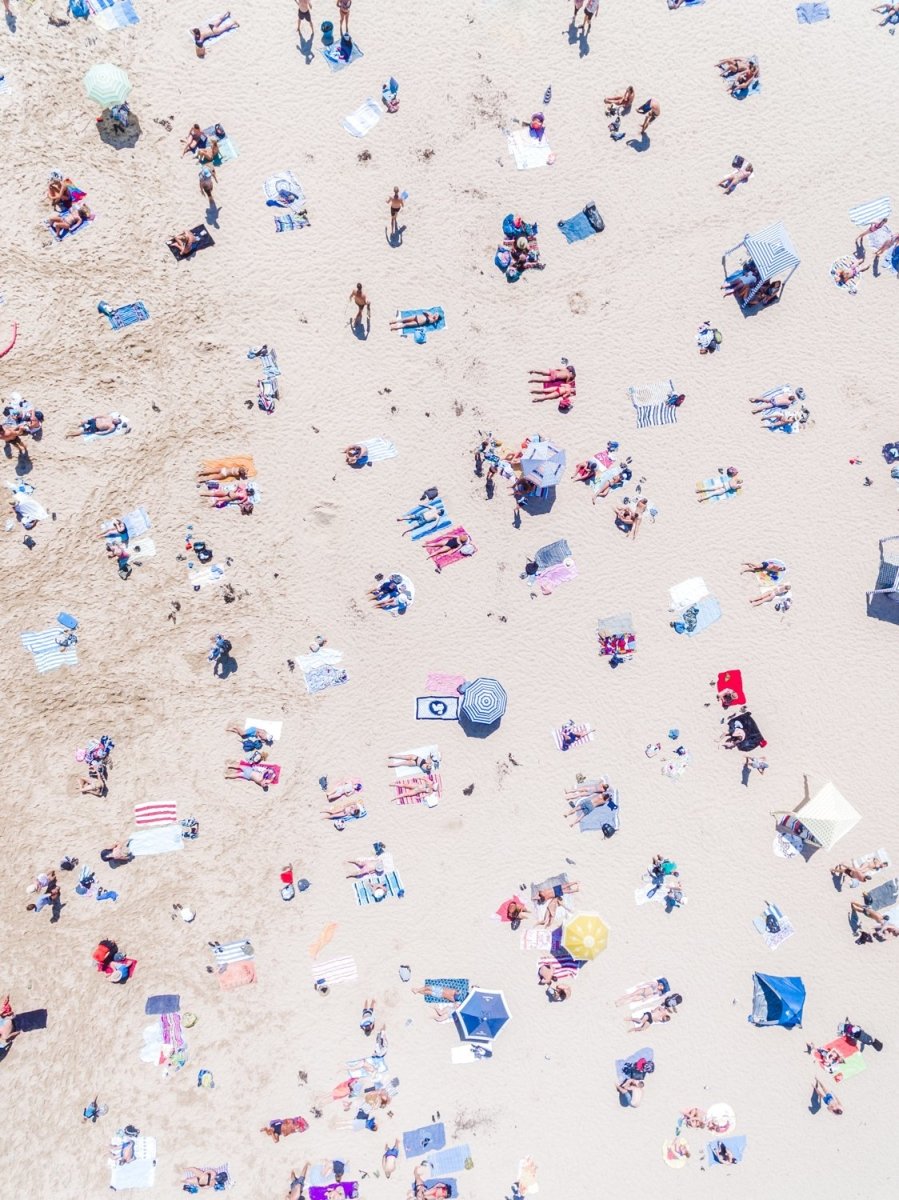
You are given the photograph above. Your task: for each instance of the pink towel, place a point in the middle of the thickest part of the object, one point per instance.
(553, 576)
(443, 685)
(450, 556)
(236, 974)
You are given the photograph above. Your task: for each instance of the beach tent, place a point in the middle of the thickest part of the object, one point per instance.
(777, 1000)
(827, 816)
(772, 251)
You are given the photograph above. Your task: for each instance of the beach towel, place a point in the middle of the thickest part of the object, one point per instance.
(145, 548)
(46, 651)
(808, 14)
(562, 965)
(536, 938)
(582, 225)
(115, 16)
(871, 211)
(204, 239)
(717, 481)
(332, 56)
(331, 1191)
(128, 314)
(136, 522)
(700, 616)
(553, 554)
(736, 1145)
(459, 986)
(70, 233)
(731, 681)
(285, 222)
(363, 888)
(451, 556)
(364, 119)
(163, 839)
(227, 149)
(123, 427)
(420, 333)
(273, 771)
(603, 814)
(283, 190)
(335, 970)
(450, 1161)
(161, 813)
(554, 881)
(4, 84)
(228, 952)
(550, 579)
(644, 1052)
(527, 151)
(584, 734)
(754, 85)
(651, 402)
(773, 940)
(437, 708)
(156, 1005)
(36, 1018)
(431, 799)
(444, 685)
(199, 577)
(321, 669)
(854, 1062)
(378, 449)
(882, 854)
(140, 1172)
(235, 975)
(428, 1137)
(884, 895)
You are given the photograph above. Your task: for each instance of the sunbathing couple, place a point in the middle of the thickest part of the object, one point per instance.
(656, 1016)
(558, 383)
(586, 797)
(863, 873)
(390, 593)
(223, 494)
(628, 519)
(740, 72)
(71, 220)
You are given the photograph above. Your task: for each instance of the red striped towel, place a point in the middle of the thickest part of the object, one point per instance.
(164, 812)
(564, 968)
(415, 780)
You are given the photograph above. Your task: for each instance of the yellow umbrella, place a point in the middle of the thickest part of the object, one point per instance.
(585, 935)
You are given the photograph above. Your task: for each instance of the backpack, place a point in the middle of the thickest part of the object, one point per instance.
(772, 924)
(608, 830)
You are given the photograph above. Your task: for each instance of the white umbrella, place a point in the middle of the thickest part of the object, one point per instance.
(107, 84)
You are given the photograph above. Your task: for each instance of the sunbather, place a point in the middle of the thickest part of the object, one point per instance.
(557, 891)
(786, 420)
(889, 12)
(562, 392)
(184, 243)
(352, 808)
(70, 220)
(342, 790)
(214, 29)
(859, 906)
(731, 66)
(223, 494)
(765, 295)
(632, 1090)
(721, 1154)
(253, 737)
(195, 139)
(586, 806)
(645, 991)
(743, 79)
(622, 102)
(204, 1177)
(106, 423)
(429, 317)
(862, 874)
(59, 192)
(565, 374)
(651, 110)
(628, 520)
(770, 594)
(658, 1015)
(227, 468)
(585, 471)
(7, 1030)
(426, 763)
(732, 181)
(427, 516)
(439, 992)
(208, 153)
(285, 1127)
(386, 589)
(356, 456)
(119, 853)
(408, 789)
(694, 1118)
(729, 488)
(366, 866)
(437, 1191)
(828, 1099)
(389, 1158)
(298, 1182)
(11, 435)
(260, 775)
(457, 541)
(740, 283)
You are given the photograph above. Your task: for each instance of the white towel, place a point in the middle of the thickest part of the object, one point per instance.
(162, 839)
(335, 970)
(527, 151)
(364, 119)
(377, 449)
(145, 548)
(272, 728)
(421, 752)
(199, 579)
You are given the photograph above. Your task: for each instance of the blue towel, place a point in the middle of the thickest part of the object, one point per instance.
(128, 314)
(287, 221)
(580, 226)
(420, 333)
(599, 816)
(27, 1022)
(754, 86)
(450, 1161)
(162, 1004)
(736, 1145)
(331, 55)
(808, 14)
(364, 894)
(431, 528)
(429, 1137)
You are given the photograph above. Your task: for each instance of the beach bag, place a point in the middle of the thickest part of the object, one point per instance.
(718, 338)
(608, 830)
(772, 924)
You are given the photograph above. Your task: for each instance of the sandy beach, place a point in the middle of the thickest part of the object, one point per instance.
(624, 306)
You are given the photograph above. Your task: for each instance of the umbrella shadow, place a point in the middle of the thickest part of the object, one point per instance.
(113, 134)
(473, 729)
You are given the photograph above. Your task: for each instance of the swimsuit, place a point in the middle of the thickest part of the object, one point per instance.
(393, 1152)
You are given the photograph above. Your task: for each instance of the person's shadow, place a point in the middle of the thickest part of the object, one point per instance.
(212, 214)
(361, 329)
(395, 239)
(814, 1104)
(640, 144)
(745, 775)
(11, 22)
(225, 666)
(305, 48)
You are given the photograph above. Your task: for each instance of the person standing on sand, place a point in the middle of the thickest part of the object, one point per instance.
(396, 203)
(207, 174)
(361, 301)
(651, 109)
(304, 13)
(343, 7)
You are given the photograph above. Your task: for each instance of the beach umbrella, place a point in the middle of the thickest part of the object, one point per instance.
(585, 936)
(827, 816)
(543, 463)
(483, 701)
(107, 84)
(483, 1014)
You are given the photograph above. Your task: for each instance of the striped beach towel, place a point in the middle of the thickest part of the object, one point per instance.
(584, 734)
(716, 481)
(172, 1034)
(871, 211)
(363, 888)
(651, 402)
(162, 813)
(228, 952)
(431, 799)
(379, 448)
(128, 314)
(47, 653)
(563, 966)
(335, 970)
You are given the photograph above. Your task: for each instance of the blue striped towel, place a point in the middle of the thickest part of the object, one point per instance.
(450, 1161)
(365, 895)
(116, 16)
(228, 952)
(284, 222)
(651, 402)
(46, 651)
(128, 314)
(378, 448)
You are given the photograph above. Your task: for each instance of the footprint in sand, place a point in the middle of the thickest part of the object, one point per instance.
(324, 512)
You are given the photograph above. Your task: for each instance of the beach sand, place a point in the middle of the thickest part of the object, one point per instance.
(624, 308)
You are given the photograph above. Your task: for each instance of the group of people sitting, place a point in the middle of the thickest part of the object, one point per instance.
(201, 144)
(20, 420)
(519, 251)
(663, 873)
(67, 201)
(227, 481)
(558, 383)
(742, 283)
(391, 593)
(740, 73)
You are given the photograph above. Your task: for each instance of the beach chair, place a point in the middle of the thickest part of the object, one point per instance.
(888, 575)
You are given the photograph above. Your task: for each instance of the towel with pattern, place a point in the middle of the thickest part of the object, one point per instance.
(651, 402)
(583, 734)
(47, 652)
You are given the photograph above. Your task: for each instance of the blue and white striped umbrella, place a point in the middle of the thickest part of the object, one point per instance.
(483, 701)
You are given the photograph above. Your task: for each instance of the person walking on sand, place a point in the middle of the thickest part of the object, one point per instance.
(207, 174)
(396, 203)
(651, 109)
(590, 8)
(343, 7)
(304, 13)
(361, 301)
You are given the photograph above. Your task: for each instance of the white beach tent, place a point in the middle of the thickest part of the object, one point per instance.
(772, 251)
(827, 816)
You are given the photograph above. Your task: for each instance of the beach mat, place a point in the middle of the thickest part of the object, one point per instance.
(235, 975)
(429, 1137)
(460, 986)
(161, 839)
(584, 734)
(205, 239)
(552, 882)
(128, 314)
(157, 1005)
(331, 55)
(27, 1022)
(364, 119)
(363, 888)
(46, 652)
(528, 152)
(420, 333)
(736, 1145)
(582, 225)
(378, 449)
(601, 815)
(437, 708)
(450, 1161)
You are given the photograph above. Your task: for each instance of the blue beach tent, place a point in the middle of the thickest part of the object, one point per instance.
(777, 1000)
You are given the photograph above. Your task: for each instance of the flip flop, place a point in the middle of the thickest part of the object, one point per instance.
(405, 973)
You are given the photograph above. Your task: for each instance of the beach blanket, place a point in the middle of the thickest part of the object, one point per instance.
(335, 970)
(364, 119)
(156, 1005)
(553, 554)
(378, 449)
(428, 1137)
(227, 952)
(716, 481)
(332, 56)
(283, 190)
(363, 888)
(584, 734)
(536, 938)
(871, 211)
(285, 222)
(163, 839)
(450, 1161)
(731, 681)
(808, 14)
(110, 16)
(420, 333)
(128, 314)
(451, 556)
(882, 854)
(321, 670)
(884, 895)
(550, 579)
(204, 240)
(528, 152)
(431, 799)
(736, 1145)
(199, 578)
(651, 404)
(227, 149)
(649, 892)
(273, 771)
(643, 1052)
(139, 1172)
(582, 225)
(162, 813)
(28, 1022)
(700, 616)
(444, 685)
(235, 975)
(437, 708)
(136, 522)
(46, 651)
(773, 940)
(854, 1062)
(330, 1191)
(70, 233)
(459, 986)
(603, 814)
